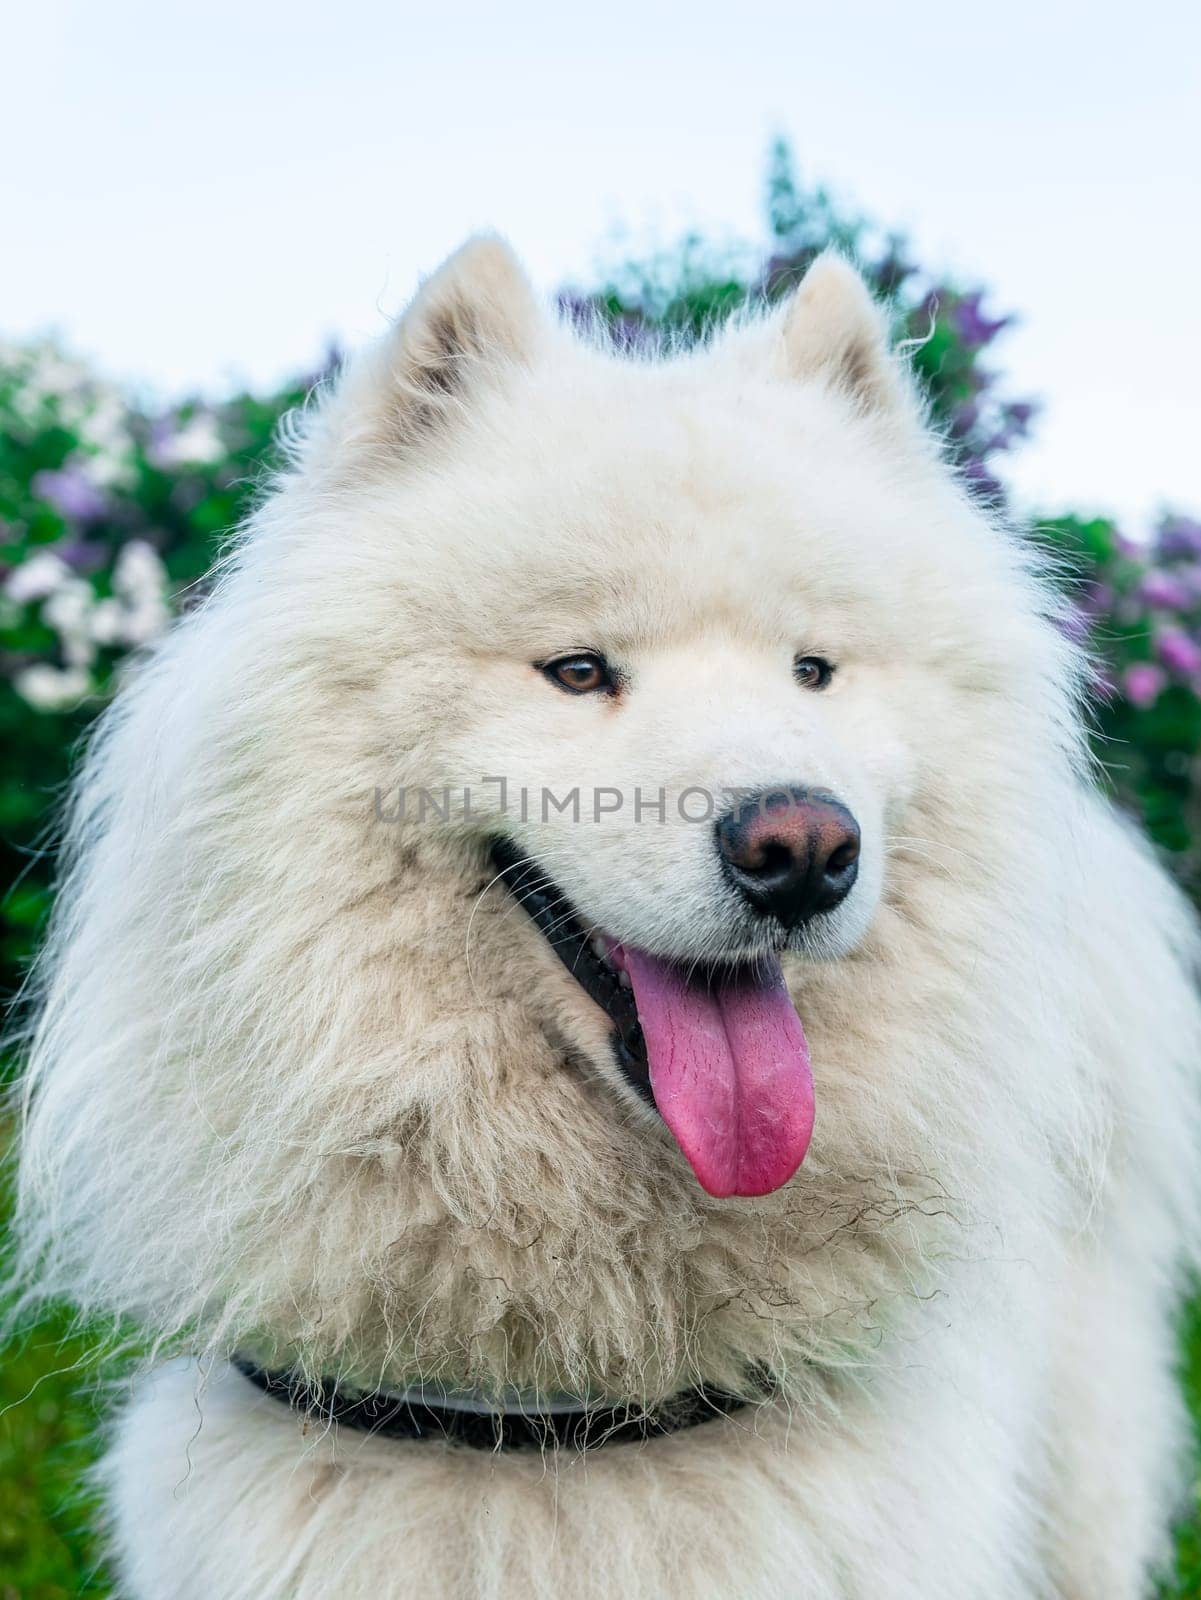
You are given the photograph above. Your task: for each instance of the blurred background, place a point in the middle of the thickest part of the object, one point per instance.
(203, 209)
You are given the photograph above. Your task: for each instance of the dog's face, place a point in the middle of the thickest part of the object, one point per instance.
(674, 623)
(690, 759)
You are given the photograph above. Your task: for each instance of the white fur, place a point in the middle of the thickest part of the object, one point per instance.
(307, 1082)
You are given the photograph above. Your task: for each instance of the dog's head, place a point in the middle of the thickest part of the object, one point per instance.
(589, 773)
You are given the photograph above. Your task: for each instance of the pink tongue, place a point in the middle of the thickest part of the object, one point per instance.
(729, 1070)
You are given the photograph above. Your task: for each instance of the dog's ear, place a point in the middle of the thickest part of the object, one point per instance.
(832, 329)
(475, 318)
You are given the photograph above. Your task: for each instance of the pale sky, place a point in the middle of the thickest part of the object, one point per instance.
(194, 196)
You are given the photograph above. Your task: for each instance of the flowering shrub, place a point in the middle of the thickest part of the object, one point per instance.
(1138, 609)
(109, 517)
(111, 513)
(685, 290)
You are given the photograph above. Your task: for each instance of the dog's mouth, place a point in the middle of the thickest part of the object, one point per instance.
(718, 1048)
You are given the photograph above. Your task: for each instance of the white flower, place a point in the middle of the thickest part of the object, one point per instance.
(69, 612)
(51, 688)
(112, 471)
(38, 576)
(197, 443)
(105, 429)
(138, 573)
(67, 608)
(140, 580)
(107, 622)
(138, 611)
(48, 376)
(142, 623)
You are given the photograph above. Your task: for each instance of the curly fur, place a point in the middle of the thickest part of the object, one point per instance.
(306, 1081)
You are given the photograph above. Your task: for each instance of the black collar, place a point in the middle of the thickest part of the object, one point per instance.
(395, 1416)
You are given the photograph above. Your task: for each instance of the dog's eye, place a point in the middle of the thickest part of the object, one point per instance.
(812, 672)
(585, 673)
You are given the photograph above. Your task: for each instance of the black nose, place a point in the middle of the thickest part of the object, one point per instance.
(790, 852)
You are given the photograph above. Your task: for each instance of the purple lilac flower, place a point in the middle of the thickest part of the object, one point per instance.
(162, 431)
(72, 494)
(1001, 440)
(782, 272)
(891, 272)
(981, 480)
(1179, 536)
(1096, 599)
(1179, 653)
(972, 326)
(82, 555)
(1162, 591)
(964, 418)
(1143, 683)
(580, 310)
(928, 307)
(1019, 414)
(631, 333)
(1015, 425)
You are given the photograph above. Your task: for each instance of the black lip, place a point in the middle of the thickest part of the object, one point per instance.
(557, 919)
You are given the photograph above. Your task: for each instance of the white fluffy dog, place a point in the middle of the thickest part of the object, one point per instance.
(592, 1103)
